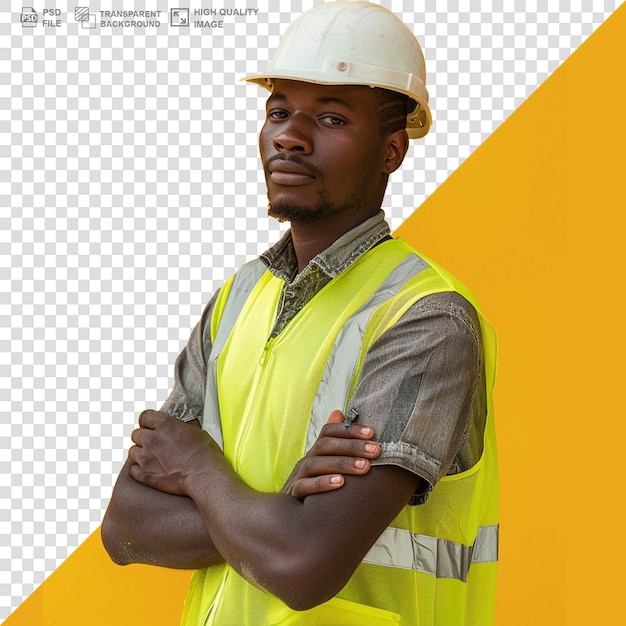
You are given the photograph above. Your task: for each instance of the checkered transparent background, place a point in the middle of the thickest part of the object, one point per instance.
(130, 188)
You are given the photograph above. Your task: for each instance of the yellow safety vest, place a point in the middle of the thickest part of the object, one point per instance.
(266, 401)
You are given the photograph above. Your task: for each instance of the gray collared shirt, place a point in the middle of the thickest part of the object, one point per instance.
(300, 288)
(421, 386)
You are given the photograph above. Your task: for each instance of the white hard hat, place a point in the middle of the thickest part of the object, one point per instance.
(348, 42)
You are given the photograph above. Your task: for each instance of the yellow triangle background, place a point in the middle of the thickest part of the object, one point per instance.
(533, 222)
(89, 590)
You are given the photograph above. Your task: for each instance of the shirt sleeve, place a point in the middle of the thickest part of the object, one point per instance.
(186, 400)
(422, 390)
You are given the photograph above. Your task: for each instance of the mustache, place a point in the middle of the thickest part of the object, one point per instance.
(293, 158)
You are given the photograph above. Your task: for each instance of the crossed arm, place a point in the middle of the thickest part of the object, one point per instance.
(178, 504)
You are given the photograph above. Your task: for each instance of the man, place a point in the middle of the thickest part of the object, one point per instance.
(288, 520)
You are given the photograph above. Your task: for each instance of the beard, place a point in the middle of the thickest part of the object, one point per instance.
(296, 214)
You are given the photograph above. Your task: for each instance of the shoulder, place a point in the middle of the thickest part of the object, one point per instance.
(433, 320)
(447, 311)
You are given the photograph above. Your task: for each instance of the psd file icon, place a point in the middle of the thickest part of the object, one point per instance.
(29, 17)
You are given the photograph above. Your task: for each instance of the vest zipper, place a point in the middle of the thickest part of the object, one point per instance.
(268, 346)
(258, 384)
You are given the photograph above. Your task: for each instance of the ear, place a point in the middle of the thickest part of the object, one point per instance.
(397, 146)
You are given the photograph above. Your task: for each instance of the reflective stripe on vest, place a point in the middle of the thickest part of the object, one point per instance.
(243, 283)
(445, 559)
(342, 361)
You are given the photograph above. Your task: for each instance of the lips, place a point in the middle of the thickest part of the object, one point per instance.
(289, 173)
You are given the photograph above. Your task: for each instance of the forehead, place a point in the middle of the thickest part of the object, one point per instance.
(357, 98)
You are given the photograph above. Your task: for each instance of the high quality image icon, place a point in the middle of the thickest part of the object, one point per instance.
(179, 17)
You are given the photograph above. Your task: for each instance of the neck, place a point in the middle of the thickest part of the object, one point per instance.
(311, 239)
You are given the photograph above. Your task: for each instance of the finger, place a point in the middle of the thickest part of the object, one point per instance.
(136, 436)
(138, 474)
(336, 417)
(132, 454)
(148, 418)
(336, 446)
(142, 436)
(325, 465)
(306, 486)
(337, 429)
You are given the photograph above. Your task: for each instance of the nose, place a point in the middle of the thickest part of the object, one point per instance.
(293, 136)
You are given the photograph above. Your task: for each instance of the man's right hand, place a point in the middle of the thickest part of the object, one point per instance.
(338, 451)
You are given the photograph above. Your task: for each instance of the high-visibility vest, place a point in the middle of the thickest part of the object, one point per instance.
(267, 399)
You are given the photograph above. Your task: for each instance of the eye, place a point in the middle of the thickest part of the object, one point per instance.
(277, 114)
(332, 120)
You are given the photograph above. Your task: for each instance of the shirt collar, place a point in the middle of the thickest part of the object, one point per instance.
(282, 262)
